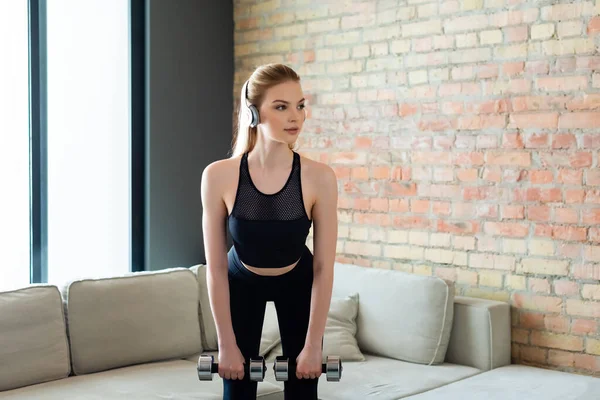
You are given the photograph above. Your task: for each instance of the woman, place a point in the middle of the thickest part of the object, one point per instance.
(269, 196)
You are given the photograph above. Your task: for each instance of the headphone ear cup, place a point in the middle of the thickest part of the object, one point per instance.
(254, 117)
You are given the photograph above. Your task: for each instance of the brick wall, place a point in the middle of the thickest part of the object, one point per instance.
(465, 135)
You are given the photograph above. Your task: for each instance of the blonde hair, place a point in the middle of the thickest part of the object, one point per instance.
(263, 78)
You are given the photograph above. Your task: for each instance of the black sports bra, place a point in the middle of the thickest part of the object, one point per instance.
(269, 230)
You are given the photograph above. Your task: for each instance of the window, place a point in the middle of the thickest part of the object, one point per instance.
(89, 177)
(14, 145)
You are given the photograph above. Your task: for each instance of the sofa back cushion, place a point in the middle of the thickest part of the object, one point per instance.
(132, 319)
(209, 330)
(33, 337)
(402, 316)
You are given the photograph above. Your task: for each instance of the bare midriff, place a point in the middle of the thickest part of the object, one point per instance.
(270, 271)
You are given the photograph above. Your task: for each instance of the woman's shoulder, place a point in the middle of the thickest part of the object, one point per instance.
(220, 171)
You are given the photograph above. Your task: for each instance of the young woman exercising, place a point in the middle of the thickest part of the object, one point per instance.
(268, 196)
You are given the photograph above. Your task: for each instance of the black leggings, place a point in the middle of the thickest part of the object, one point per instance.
(291, 294)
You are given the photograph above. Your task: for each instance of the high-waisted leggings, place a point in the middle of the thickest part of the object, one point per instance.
(291, 294)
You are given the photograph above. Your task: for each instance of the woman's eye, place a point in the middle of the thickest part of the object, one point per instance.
(301, 106)
(280, 108)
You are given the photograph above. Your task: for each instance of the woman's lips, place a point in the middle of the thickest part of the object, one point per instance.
(292, 131)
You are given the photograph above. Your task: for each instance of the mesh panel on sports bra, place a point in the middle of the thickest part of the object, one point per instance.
(285, 205)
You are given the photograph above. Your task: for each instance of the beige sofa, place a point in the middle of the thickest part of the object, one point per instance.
(138, 336)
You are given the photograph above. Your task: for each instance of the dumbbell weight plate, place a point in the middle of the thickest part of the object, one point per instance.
(258, 368)
(334, 368)
(205, 367)
(281, 368)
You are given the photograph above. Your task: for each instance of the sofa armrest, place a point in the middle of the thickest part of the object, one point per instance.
(481, 333)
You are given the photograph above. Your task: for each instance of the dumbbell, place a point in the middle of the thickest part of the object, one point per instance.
(206, 367)
(332, 368)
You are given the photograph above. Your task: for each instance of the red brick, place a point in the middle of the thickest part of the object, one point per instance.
(594, 234)
(584, 326)
(379, 205)
(513, 68)
(543, 230)
(537, 120)
(574, 196)
(587, 271)
(512, 141)
(535, 103)
(419, 206)
(399, 205)
(487, 71)
(566, 215)
(516, 34)
(538, 213)
(564, 141)
(539, 285)
(557, 323)
(533, 355)
(587, 102)
(458, 227)
(514, 175)
(562, 84)
(593, 177)
(593, 26)
(467, 175)
(472, 158)
(570, 176)
(531, 320)
(380, 172)
(360, 174)
(566, 288)
(537, 303)
(569, 250)
(513, 212)
(579, 120)
(570, 233)
(522, 159)
(511, 229)
(537, 140)
(541, 176)
(557, 341)
(412, 222)
(538, 67)
(400, 189)
(441, 208)
(591, 216)
(561, 358)
(580, 159)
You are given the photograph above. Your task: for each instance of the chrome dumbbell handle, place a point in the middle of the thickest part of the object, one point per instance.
(332, 368)
(207, 367)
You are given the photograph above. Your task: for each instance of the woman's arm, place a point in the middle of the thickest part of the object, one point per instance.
(325, 233)
(213, 227)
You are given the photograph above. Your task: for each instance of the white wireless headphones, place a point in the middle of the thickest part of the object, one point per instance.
(250, 109)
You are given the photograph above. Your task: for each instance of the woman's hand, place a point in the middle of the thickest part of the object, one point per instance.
(309, 364)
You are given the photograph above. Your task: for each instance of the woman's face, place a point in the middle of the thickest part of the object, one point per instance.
(282, 112)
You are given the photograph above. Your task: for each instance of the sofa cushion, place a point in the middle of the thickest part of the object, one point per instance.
(132, 319)
(340, 330)
(517, 382)
(403, 316)
(33, 337)
(381, 378)
(174, 379)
